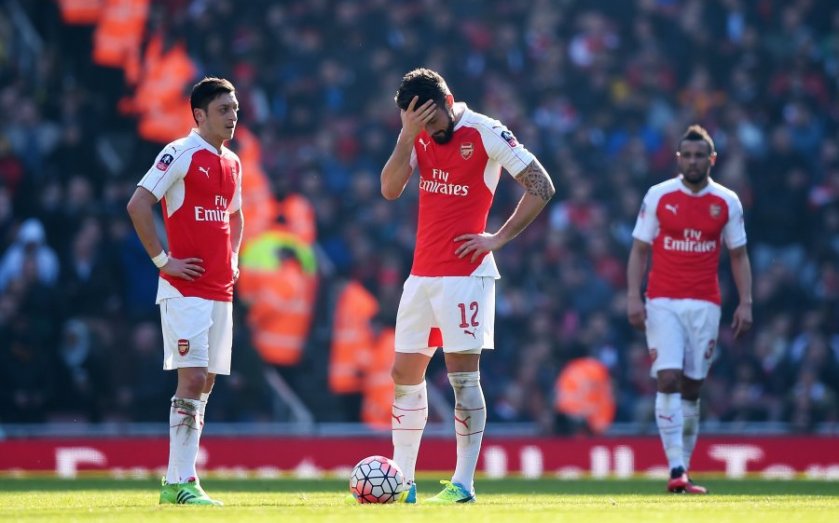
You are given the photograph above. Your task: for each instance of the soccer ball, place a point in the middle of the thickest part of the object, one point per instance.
(376, 479)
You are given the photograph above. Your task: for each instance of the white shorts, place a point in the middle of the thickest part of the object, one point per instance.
(682, 334)
(197, 333)
(455, 312)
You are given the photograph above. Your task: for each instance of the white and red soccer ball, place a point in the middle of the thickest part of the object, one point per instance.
(376, 479)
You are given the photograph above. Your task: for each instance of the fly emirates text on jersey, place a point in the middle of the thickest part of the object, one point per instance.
(692, 242)
(202, 214)
(439, 183)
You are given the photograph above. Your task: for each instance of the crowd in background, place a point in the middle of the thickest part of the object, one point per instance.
(599, 91)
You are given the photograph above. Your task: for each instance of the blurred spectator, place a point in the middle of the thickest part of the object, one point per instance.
(30, 243)
(140, 386)
(81, 379)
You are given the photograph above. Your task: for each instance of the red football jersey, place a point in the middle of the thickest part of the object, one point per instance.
(200, 188)
(685, 230)
(457, 183)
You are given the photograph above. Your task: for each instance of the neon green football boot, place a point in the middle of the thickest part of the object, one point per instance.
(452, 493)
(187, 493)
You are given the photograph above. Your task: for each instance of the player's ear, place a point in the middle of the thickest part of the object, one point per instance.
(713, 158)
(449, 101)
(198, 115)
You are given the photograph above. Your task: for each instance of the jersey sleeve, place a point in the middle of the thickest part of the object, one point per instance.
(734, 232)
(170, 166)
(413, 161)
(501, 145)
(646, 225)
(236, 201)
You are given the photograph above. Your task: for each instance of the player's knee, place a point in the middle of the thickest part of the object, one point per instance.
(669, 381)
(405, 376)
(690, 389)
(193, 381)
(209, 383)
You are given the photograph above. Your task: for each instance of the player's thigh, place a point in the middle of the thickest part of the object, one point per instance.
(414, 318)
(703, 325)
(186, 326)
(465, 311)
(666, 337)
(221, 338)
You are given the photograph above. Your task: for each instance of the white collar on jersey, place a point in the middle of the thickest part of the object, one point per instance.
(463, 115)
(684, 188)
(207, 145)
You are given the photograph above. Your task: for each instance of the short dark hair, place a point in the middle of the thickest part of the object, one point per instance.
(697, 133)
(207, 90)
(426, 84)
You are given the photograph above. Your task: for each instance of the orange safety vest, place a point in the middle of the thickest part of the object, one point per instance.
(166, 72)
(378, 385)
(281, 313)
(257, 197)
(80, 12)
(163, 125)
(299, 217)
(584, 390)
(119, 32)
(259, 263)
(159, 99)
(352, 339)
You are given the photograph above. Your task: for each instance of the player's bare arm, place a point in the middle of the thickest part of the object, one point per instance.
(140, 210)
(397, 169)
(636, 267)
(741, 269)
(536, 182)
(237, 228)
(539, 189)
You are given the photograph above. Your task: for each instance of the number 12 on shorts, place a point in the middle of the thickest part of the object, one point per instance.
(473, 307)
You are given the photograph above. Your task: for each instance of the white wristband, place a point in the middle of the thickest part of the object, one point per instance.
(160, 260)
(234, 260)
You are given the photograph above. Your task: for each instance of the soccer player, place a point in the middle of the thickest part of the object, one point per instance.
(200, 183)
(683, 221)
(449, 298)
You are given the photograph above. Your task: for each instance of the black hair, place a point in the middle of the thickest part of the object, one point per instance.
(424, 83)
(697, 133)
(207, 90)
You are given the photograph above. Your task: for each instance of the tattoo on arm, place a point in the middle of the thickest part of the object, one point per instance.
(536, 181)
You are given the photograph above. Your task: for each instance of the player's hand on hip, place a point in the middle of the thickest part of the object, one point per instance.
(636, 313)
(414, 118)
(187, 269)
(477, 244)
(742, 320)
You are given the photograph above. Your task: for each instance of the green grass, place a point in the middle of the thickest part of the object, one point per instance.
(521, 501)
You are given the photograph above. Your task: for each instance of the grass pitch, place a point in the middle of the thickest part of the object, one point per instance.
(517, 500)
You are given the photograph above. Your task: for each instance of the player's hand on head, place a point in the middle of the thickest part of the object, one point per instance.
(476, 244)
(188, 269)
(414, 118)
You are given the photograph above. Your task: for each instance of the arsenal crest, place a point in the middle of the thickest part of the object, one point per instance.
(183, 347)
(716, 210)
(466, 150)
